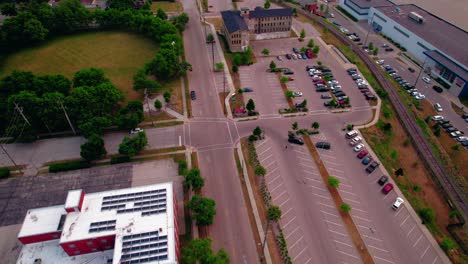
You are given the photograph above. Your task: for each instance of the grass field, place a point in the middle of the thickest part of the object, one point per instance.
(119, 54)
(167, 6)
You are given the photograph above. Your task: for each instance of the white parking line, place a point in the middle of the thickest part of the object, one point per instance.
(346, 185)
(327, 156)
(260, 154)
(334, 163)
(415, 243)
(335, 170)
(377, 248)
(289, 210)
(311, 172)
(308, 159)
(435, 259)
(328, 198)
(308, 166)
(348, 192)
(292, 219)
(333, 223)
(341, 234)
(325, 212)
(299, 253)
(346, 244)
(308, 260)
(279, 185)
(397, 213)
(273, 170)
(404, 220)
(411, 230)
(296, 150)
(376, 239)
(347, 254)
(262, 160)
(357, 209)
(259, 145)
(347, 199)
(389, 261)
(285, 201)
(327, 205)
(297, 227)
(362, 218)
(312, 179)
(280, 195)
(321, 189)
(275, 178)
(295, 243)
(425, 251)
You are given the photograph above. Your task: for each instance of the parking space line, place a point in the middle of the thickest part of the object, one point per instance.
(295, 243)
(347, 254)
(346, 244)
(327, 156)
(327, 205)
(262, 160)
(311, 172)
(328, 198)
(344, 198)
(299, 253)
(386, 196)
(404, 220)
(362, 218)
(270, 164)
(361, 226)
(260, 154)
(389, 261)
(334, 163)
(325, 212)
(335, 170)
(348, 192)
(308, 159)
(316, 187)
(346, 185)
(292, 219)
(300, 151)
(312, 179)
(280, 195)
(341, 234)
(378, 248)
(287, 211)
(271, 171)
(415, 243)
(308, 166)
(357, 209)
(285, 201)
(308, 260)
(272, 190)
(397, 213)
(376, 239)
(411, 230)
(259, 145)
(425, 251)
(275, 178)
(435, 259)
(297, 227)
(333, 223)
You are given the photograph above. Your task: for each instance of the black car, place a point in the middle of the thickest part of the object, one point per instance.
(321, 89)
(288, 72)
(446, 125)
(411, 69)
(193, 96)
(336, 24)
(372, 167)
(389, 49)
(443, 121)
(295, 140)
(295, 50)
(323, 145)
(451, 129)
(437, 88)
(351, 70)
(382, 180)
(340, 93)
(288, 56)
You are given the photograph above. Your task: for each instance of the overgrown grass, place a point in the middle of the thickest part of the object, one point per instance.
(120, 54)
(167, 6)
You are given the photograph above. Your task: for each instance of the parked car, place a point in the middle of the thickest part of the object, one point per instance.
(359, 147)
(351, 70)
(438, 107)
(297, 94)
(336, 24)
(388, 49)
(384, 45)
(411, 69)
(325, 96)
(362, 154)
(398, 202)
(136, 130)
(419, 96)
(367, 160)
(372, 166)
(295, 140)
(382, 180)
(295, 50)
(437, 88)
(443, 121)
(426, 79)
(193, 95)
(446, 125)
(279, 58)
(456, 134)
(355, 140)
(451, 129)
(294, 56)
(288, 56)
(437, 118)
(323, 145)
(387, 188)
(288, 72)
(462, 138)
(247, 90)
(380, 62)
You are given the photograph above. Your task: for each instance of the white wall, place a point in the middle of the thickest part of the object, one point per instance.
(352, 12)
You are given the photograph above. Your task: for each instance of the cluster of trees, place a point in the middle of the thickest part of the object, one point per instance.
(131, 146)
(200, 251)
(34, 21)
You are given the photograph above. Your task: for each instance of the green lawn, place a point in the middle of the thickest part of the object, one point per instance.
(119, 54)
(167, 6)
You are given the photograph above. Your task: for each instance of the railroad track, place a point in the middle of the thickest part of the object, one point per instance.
(452, 190)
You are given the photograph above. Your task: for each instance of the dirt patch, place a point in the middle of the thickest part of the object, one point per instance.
(348, 221)
(157, 116)
(174, 88)
(216, 21)
(457, 109)
(285, 89)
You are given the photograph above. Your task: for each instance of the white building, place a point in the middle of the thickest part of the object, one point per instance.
(134, 225)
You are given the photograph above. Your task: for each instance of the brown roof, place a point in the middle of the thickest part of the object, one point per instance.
(446, 37)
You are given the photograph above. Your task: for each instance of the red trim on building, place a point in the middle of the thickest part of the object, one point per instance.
(39, 238)
(81, 200)
(70, 210)
(90, 245)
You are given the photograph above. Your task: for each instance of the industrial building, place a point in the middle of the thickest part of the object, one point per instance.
(134, 225)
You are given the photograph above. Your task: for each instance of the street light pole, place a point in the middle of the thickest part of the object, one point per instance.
(368, 30)
(420, 71)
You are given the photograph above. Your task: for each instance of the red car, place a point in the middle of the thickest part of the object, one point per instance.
(362, 154)
(387, 188)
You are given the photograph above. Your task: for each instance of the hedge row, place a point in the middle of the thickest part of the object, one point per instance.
(119, 159)
(67, 166)
(4, 173)
(346, 13)
(398, 45)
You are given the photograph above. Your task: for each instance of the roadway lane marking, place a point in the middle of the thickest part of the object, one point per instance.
(385, 197)
(261, 153)
(325, 212)
(285, 201)
(404, 220)
(292, 219)
(383, 250)
(190, 135)
(327, 205)
(295, 243)
(341, 234)
(362, 218)
(411, 230)
(299, 253)
(347, 254)
(303, 153)
(333, 223)
(346, 244)
(229, 130)
(389, 261)
(418, 240)
(297, 227)
(237, 130)
(425, 251)
(322, 196)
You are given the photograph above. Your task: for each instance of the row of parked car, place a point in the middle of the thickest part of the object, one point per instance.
(296, 55)
(361, 84)
(319, 74)
(453, 132)
(403, 83)
(367, 159)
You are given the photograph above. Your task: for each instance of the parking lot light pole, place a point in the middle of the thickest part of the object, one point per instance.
(420, 71)
(368, 30)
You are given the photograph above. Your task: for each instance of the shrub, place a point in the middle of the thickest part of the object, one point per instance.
(447, 244)
(427, 215)
(333, 182)
(260, 170)
(68, 166)
(345, 208)
(252, 138)
(119, 159)
(182, 167)
(4, 173)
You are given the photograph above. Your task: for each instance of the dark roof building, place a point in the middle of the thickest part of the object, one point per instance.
(259, 12)
(233, 21)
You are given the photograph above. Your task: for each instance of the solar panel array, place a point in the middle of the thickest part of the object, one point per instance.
(102, 226)
(155, 198)
(138, 249)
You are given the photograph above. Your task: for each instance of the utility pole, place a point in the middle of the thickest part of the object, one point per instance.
(66, 116)
(147, 104)
(224, 89)
(212, 52)
(20, 110)
(420, 71)
(11, 159)
(371, 25)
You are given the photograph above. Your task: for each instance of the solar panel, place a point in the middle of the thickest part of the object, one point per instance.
(138, 198)
(132, 194)
(150, 202)
(145, 240)
(139, 209)
(153, 233)
(112, 207)
(153, 212)
(145, 260)
(137, 248)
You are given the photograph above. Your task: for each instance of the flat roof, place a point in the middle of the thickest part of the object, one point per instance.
(446, 37)
(52, 252)
(41, 220)
(73, 198)
(371, 3)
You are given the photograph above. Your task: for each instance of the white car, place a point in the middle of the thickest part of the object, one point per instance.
(398, 202)
(136, 130)
(294, 56)
(438, 107)
(358, 147)
(437, 118)
(344, 30)
(355, 140)
(462, 139)
(456, 134)
(420, 96)
(331, 14)
(380, 62)
(426, 79)
(297, 94)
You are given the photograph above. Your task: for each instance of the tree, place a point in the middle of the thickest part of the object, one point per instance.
(316, 50)
(130, 116)
(315, 125)
(284, 79)
(447, 244)
(203, 210)
(257, 132)
(131, 146)
(157, 104)
(161, 14)
(265, 52)
(376, 51)
(219, 66)
(303, 49)
(371, 45)
(310, 44)
(200, 251)
(141, 81)
(167, 97)
(319, 63)
(333, 182)
(295, 126)
(345, 208)
(180, 21)
(71, 15)
(237, 59)
(89, 77)
(250, 105)
(321, 7)
(274, 213)
(303, 34)
(289, 94)
(272, 65)
(427, 215)
(235, 68)
(121, 4)
(267, 4)
(194, 180)
(8, 9)
(165, 65)
(94, 126)
(327, 10)
(209, 38)
(93, 149)
(260, 170)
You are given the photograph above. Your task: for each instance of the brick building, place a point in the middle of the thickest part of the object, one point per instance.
(134, 225)
(239, 27)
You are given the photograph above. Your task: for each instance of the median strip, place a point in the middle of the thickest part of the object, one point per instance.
(347, 220)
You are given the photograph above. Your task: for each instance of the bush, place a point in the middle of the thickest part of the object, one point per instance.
(4, 173)
(345, 208)
(68, 166)
(260, 170)
(182, 167)
(447, 244)
(119, 159)
(427, 215)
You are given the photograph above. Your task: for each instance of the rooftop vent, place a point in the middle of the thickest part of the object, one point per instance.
(416, 17)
